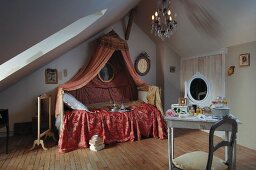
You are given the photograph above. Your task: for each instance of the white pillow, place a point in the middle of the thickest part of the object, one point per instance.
(142, 95)
(73, 103)
(57, 122)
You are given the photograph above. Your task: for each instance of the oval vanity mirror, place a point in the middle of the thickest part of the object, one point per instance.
(199, 90)
(106, 74)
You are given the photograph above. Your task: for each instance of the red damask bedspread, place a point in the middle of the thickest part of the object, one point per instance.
(144, 120)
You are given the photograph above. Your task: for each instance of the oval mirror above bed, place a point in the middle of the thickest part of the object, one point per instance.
(106, 74)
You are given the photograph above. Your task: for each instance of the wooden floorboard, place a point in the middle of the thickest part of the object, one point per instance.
(145, 154)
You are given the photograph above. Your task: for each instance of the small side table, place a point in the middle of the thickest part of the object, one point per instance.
(4, 122)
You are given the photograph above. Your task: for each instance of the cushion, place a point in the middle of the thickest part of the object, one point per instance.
(57, 122)
(198, 160)
(73, 103)
(142, 96)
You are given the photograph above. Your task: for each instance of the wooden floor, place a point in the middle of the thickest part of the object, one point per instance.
(145, 154)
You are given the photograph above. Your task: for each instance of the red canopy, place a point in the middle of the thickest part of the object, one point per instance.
(108, 44)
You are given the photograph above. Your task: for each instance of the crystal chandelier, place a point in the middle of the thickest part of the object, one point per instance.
(163, 21)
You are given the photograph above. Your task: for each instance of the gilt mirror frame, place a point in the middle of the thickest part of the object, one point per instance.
(207, 100)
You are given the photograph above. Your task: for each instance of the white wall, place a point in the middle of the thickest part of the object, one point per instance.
(169, 82)
(240, 91)
(21, 98)
(160, 53)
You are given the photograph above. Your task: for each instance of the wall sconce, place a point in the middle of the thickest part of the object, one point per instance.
(231, 70)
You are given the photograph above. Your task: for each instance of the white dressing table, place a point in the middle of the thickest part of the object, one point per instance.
(194, 123)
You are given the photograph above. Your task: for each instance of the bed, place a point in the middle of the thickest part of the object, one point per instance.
(89, 87)
(141, 121)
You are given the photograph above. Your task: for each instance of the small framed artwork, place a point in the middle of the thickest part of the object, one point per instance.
(172, 69)
(231, 70)
(51, 76)
(142, 64)
(244, 59)
(182, 101)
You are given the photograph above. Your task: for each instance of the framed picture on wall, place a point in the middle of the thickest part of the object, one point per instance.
(172, 69)
(51, 76)
(244, 59)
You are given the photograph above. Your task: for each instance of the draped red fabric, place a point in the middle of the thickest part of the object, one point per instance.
(120, 89)
(143, 121)
(108, 44)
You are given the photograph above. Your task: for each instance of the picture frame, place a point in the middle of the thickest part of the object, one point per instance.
(51, 76)
(231, 70)
(106, 74)
(244, 59)
(172, 69)
(182, 101)
(142, 64)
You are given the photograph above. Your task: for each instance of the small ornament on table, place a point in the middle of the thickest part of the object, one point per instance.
(122, 107)
(206, 110)
(182, 101)
(171, 113)
(191, 111)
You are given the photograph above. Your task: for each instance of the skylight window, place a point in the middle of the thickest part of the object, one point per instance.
(48, 44)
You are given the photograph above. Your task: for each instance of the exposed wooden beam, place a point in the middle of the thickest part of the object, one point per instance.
(129, 25)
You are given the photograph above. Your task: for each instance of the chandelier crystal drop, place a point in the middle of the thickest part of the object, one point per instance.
(163, 21)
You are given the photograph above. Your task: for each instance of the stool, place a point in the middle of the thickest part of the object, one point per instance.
(4, 122)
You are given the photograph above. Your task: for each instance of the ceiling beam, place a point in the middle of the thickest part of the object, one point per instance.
(129, 25)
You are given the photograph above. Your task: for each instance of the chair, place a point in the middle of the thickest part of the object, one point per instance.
(4, 122)
(202, 160)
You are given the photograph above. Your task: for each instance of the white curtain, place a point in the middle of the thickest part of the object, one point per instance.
(210, 66)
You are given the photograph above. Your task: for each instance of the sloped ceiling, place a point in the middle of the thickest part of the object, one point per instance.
(25, 23)
(220, 24)
(204, 26)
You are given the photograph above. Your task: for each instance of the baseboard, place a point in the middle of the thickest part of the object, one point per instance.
(3, 134)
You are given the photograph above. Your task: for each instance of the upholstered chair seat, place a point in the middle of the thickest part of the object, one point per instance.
(197, 161)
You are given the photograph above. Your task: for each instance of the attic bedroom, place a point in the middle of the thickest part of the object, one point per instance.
(159, 104)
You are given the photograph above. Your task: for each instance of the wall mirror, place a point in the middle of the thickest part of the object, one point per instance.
(106, 74)
(199, 90)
